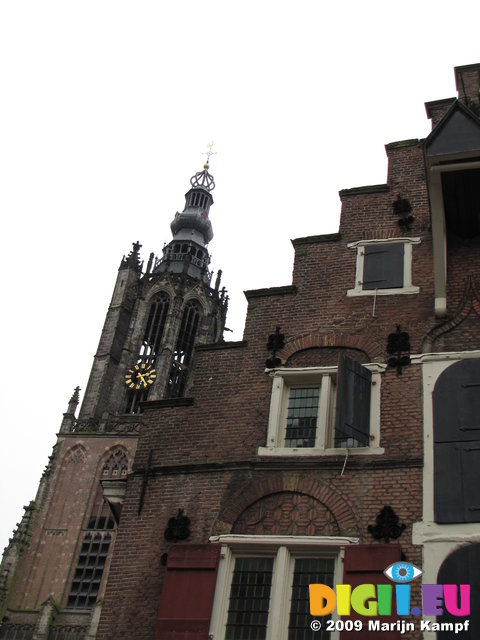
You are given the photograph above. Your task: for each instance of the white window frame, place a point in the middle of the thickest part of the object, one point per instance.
(284, 550)
(284, 379)
(408, 287)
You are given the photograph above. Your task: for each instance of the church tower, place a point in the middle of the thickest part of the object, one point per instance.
(157, 316)
(54, 570)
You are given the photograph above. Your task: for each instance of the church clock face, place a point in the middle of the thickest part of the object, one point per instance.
(140, 376)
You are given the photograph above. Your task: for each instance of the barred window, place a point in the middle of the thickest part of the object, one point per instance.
(89, 571)
(267, 589)
(96, 542)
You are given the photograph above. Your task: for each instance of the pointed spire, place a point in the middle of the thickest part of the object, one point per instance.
(187, 252)
(68, 421)
(133, 259)
(74, 400)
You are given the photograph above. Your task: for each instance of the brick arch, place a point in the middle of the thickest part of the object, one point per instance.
(338, 341)
(331, 498)
(287, 513)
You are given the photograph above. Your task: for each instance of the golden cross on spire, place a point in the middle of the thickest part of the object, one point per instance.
(208, 154)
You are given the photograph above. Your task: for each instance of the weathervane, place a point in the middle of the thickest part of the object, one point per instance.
(208, 154)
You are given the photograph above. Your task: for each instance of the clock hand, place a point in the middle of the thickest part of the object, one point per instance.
(139, 375)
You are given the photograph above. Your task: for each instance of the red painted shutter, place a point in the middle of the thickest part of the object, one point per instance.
(187, 594)
(365, 564)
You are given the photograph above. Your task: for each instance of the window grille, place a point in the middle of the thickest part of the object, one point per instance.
(307, 571)
(302, 417)
(94, 551)
(249, 599)
(89, 571)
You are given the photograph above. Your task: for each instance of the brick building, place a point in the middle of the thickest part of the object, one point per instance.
(55, 569)
(339, 437)
(346, 445)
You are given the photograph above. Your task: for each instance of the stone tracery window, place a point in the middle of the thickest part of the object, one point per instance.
(183, 352)
(150, 346)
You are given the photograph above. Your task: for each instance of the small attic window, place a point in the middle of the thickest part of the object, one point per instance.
(461, 199)
(384, 267)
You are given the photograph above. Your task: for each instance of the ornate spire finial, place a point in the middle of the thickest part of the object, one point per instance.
(74, 400)
(203, 179)
(133, 258)
(208, 154)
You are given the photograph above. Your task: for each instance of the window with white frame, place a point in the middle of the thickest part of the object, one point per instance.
(322, 409)
(262, 586)
(384, 267)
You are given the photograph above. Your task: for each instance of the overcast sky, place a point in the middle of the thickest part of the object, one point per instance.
(105, 110)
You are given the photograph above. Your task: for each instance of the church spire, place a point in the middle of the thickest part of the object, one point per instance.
(193, 223)
(192, 231)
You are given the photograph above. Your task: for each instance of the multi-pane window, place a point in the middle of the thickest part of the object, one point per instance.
(249, 599)
(264, 594)
(302, 413)
(307, 571)
(318, 409)
(96, 542)
(383, 267)
(89, 571)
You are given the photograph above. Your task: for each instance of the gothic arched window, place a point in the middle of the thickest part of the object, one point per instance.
(150, 347)
(96, 542)
(184, 350)
(154, 328)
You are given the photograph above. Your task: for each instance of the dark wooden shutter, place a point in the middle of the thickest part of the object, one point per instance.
(352, 425)
(462, 567)
(187, 594)
(365, 564)
(383, 266)
(456, 428)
